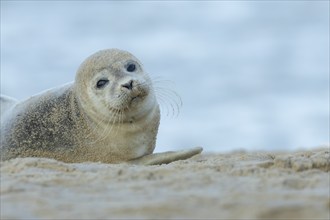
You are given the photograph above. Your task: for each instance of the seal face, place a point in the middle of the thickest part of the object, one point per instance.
(109, 114)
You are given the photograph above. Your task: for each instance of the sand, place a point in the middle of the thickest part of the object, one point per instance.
(221, 186)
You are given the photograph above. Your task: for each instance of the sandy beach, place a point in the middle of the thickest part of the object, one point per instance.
(231, 185)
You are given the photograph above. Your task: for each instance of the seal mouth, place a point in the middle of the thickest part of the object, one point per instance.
(127, 102)
(135, 98)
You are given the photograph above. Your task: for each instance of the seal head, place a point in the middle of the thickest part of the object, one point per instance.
(113, 81)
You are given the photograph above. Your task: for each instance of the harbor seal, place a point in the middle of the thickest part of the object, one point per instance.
(108, 114)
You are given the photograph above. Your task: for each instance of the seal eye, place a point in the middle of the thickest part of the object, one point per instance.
(101, 83)
(131, 67)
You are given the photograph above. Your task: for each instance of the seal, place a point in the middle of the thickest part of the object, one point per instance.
(108, 114)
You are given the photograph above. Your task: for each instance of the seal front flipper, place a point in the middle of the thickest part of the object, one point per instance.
(166, 157)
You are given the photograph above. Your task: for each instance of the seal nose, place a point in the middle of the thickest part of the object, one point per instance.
(128, 85)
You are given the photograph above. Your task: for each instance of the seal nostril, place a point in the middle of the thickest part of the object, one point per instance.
(128, 85)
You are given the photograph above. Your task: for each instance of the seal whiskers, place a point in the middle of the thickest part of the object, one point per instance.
(169, 97)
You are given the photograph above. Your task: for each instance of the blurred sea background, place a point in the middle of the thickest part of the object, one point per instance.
(252, 75)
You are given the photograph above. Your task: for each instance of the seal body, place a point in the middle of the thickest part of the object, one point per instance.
(108, 114)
